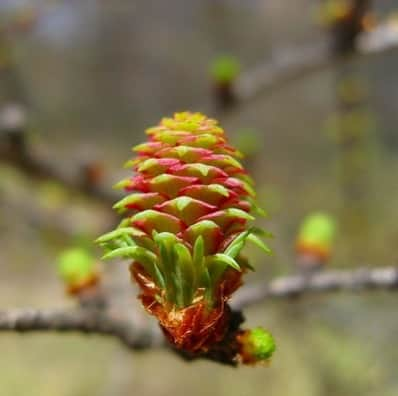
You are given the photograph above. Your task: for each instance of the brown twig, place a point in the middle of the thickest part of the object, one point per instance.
(96, 322)
(101, 323)
(324, 282)
(81, 321)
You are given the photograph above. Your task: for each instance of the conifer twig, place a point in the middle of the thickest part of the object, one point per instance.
(96, 322)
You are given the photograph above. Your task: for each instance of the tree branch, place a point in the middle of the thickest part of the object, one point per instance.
(79, 320)
(101, 323)
(283, 67)
(90, 321)
(292, 64)
(360, 279)
(41, 169)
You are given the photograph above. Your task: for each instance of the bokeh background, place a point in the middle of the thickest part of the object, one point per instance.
(92, 75)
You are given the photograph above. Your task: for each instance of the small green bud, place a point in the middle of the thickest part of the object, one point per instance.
(262, 342)
(257, 345)
(318, 228)
(76, 265)
(225, 69)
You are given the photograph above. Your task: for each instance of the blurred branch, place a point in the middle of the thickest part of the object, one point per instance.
(281, 68)
(96, 322)
(39, 217)
(83, 321)
(92, 321)
(324, 282)
(292, 64)
(41, 169)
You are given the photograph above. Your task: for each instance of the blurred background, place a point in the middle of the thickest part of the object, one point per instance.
(85, 78)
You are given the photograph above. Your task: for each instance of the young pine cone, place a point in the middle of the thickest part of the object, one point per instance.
(186, 222)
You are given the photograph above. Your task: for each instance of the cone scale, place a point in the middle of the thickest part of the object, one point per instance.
(187, 217)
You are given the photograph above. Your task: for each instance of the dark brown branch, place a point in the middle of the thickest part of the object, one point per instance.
(323, 282)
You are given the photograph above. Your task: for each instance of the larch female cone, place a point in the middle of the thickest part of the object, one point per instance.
(186, 223)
